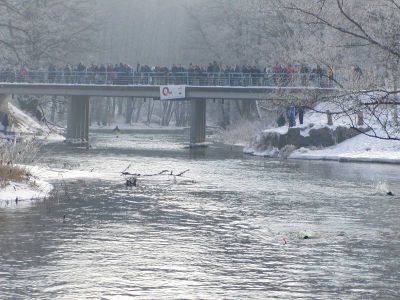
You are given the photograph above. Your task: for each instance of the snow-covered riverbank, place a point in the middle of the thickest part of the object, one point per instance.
(24, 125)
(40, 183)
(360, 148)
(24, 129)
(33, 188)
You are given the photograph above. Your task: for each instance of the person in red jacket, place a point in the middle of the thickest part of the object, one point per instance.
(289, 74)
(23, 73)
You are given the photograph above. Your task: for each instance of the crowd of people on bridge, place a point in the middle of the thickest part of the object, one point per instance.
(211, 74)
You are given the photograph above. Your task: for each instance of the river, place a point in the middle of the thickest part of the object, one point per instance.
(233, 227)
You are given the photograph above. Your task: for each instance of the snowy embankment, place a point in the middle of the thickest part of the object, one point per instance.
(39, 184)
(34, 188)
(25, 127)
(360, 148)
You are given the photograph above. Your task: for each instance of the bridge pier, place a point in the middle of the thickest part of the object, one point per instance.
(78, 120)
(198, 123)
(4, 103)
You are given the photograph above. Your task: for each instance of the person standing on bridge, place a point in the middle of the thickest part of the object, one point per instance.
(23, 73)
(289, 74)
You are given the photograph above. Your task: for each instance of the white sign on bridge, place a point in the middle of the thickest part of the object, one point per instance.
(172, 92)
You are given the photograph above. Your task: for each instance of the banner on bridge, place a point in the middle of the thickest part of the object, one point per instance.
(172, 92)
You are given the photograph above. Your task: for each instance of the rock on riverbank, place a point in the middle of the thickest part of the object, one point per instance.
(271, 142)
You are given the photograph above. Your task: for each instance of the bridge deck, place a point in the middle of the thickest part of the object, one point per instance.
(153, 91)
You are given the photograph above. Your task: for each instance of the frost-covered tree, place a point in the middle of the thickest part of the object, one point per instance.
(240, 31)
(361, 39)
(36, 32)
(245, 32)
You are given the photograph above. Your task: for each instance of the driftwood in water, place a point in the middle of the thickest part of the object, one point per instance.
(164, 172)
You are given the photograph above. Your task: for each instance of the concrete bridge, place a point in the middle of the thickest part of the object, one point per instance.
(78, 114)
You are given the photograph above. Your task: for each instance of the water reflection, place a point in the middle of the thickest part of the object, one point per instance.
(232, 227)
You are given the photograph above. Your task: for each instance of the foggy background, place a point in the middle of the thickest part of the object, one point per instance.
(151, 32)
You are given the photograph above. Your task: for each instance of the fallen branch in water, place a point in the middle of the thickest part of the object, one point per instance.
(163, 172)
(182, 173)
(130, 174)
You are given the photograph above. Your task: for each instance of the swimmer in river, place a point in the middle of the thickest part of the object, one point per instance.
(117, 130)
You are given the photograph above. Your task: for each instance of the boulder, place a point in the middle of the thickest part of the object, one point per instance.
(322, 137)
(318, 137)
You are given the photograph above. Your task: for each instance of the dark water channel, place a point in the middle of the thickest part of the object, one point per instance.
(231, 228)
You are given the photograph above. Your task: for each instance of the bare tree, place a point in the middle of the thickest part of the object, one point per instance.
(361, 38)
(36, 32)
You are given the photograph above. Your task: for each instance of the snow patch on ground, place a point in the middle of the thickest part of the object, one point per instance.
(35, 189)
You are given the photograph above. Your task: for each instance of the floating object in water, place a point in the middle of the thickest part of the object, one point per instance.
(389, 193)
(116, 130)
(306, 237)
(131, 182)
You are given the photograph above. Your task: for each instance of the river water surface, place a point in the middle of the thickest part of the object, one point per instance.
(233, 227)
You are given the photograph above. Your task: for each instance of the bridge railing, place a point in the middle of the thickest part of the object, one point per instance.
(167, 78)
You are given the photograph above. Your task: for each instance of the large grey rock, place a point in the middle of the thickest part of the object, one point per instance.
(293, 137)
(344, 133)
(320, 137)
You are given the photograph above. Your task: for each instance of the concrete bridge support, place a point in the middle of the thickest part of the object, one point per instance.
(78, 120)
(198, 123)
(4, 103)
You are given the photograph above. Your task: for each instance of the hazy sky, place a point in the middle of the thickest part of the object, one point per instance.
(152, 31)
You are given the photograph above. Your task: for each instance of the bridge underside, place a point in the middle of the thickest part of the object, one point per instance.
(78, 117)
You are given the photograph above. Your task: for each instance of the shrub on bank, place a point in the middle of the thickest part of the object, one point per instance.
(13, 154)
(19, 151)
(9, 173)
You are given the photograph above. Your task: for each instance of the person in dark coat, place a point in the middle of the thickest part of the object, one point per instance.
(5, 122)
(300, 111)
(291, 114)
(39, 115)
